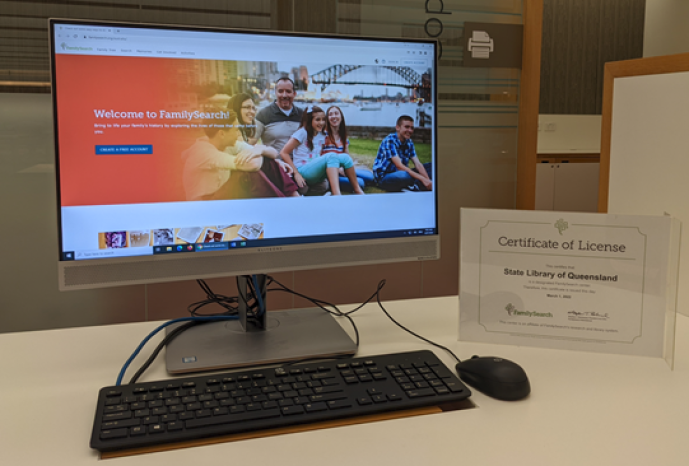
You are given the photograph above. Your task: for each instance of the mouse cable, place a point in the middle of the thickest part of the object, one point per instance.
(320, 303)
(376, 295)
(381, 284)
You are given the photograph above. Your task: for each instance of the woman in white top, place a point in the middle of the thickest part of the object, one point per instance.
(246, 147)
(303, 153)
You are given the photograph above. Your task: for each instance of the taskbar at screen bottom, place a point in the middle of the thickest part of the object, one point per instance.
(242, 243)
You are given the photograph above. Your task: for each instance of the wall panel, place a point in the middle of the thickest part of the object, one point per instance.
(579, 37)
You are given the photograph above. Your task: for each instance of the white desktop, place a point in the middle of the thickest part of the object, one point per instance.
(585, 408)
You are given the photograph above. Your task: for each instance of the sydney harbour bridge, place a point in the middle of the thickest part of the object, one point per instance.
(399, 76)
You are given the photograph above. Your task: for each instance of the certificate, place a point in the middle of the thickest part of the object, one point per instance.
(568, 280)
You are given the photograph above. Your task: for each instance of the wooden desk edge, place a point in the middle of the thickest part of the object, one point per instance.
(466, 404)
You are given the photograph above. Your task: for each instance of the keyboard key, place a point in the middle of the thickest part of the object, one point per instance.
(156, 429)
(116, 408)
(114, 433)
(329, 396)
(111, 425)
(233, 418)
(290, 410)
(315, 407)
(339, 404)
(117, 416)
(421, 392)
(455, 387)
(175, 426)
(330, 389)
(443, 372)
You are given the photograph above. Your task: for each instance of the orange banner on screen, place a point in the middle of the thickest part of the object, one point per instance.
(123, 123)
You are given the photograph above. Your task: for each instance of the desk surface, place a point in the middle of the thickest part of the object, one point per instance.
(585, 408)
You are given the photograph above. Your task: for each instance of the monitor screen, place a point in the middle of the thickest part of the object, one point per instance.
(184, 152)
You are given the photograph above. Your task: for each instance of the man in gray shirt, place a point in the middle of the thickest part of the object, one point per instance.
(276, 123)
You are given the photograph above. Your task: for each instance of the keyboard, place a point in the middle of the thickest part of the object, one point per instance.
(183, 409)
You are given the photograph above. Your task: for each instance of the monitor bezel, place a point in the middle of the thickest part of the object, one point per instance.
(65, 265)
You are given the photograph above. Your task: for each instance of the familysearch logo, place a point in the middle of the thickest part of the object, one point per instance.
(513, 311)
(76, 49)
(561, 226)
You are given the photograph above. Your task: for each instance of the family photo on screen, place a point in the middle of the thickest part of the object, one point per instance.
(342, 130)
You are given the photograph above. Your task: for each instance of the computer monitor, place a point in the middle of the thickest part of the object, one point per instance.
(153, 184)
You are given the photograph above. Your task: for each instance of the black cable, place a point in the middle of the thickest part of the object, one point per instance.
(320, 304)
(229, 303)
(381, 284)
(168, 338)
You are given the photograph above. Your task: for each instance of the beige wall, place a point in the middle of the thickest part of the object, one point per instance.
(665, 30)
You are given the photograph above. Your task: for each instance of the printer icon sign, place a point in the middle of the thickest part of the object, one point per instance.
(480, 45)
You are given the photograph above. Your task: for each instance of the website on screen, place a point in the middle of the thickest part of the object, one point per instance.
(177, 141)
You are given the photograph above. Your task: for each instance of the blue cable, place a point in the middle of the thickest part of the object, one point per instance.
(259, 296)
(150, 335)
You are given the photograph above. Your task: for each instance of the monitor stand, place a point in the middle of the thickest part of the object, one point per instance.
(279, 336)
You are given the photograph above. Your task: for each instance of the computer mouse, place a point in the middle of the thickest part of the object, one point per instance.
(496, 377)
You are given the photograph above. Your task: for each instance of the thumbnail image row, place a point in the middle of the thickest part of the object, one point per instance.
(168, 236)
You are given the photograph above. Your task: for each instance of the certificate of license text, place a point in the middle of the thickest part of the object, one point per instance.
(565, 280)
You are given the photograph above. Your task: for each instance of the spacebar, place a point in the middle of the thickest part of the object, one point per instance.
(231, 418)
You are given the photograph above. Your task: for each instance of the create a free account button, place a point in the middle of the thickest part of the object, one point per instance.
(124, 149)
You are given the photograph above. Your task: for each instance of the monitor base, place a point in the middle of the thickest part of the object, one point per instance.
(289, 336)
